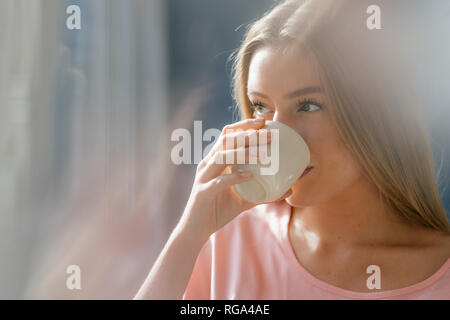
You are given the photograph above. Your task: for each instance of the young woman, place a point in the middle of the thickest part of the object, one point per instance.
(366, 220)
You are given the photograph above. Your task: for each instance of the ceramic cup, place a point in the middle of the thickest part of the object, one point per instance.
(286, 157)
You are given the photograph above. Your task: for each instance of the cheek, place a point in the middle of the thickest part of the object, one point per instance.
(335, 171)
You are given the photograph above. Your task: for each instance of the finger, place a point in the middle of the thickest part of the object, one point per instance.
(225, 158)
(247, 124)
(223, 182)
(241, 139)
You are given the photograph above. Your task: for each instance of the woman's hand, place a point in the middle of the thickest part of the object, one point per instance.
(213, 202)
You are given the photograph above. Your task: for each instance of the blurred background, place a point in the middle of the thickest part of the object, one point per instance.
(85, 122)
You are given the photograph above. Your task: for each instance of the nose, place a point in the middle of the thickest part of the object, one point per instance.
(284, 116)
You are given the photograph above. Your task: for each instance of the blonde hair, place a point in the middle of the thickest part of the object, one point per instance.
(365, 74)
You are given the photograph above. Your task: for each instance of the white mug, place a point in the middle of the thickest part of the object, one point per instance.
(287, 158)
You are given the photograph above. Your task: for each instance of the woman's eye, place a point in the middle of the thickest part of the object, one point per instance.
(259, 108)
(305, 106)
(308, 107)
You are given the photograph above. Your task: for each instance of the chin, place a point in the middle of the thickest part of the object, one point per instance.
(303, 195)
(296, 201)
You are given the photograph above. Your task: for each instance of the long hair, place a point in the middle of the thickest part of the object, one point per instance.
(365, 74)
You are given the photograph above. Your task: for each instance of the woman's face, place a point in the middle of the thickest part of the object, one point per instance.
(286, 88)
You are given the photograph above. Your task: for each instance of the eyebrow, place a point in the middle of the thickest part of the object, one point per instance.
(293, 94)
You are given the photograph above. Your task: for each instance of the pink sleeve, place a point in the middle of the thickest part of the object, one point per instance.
(199, 284)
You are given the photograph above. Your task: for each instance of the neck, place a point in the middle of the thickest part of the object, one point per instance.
(354, 217)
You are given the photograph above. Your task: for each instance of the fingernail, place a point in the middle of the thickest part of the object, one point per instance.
(245, 173)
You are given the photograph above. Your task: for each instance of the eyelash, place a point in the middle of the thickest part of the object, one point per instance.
(300, 104)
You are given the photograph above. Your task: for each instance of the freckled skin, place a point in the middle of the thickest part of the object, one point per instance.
(338, 226)
(335, 169)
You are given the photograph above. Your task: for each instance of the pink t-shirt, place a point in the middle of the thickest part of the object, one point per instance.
(251, 258)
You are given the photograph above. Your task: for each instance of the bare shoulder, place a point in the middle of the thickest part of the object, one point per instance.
(435, 252)
(406, 265)
(437, 241)
(442, 246)
(436, 245)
